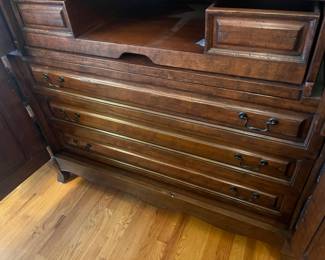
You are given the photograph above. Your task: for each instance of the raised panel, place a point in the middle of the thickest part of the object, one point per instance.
(34, 15)
(260, 34)
(267, 35)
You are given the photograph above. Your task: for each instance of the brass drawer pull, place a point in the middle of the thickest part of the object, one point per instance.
(64, 114)
(242, 164)
(88, 147)
(75, 118)
(46, 77)
(255, 196)
(270, 122)
(234, 190)
(61, 79)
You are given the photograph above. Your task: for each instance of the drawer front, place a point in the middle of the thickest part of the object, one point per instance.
(159, 163)
(47, 16)
(279, 123)
(272, 34)
(170, 123)
(267, 165)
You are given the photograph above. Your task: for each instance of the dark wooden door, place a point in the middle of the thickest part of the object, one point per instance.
(21, 148)
(308, 242)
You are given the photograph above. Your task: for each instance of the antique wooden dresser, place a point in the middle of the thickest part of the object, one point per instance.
(209, 108)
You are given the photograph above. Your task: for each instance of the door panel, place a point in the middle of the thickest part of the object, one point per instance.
(308, 240)
(21, 148)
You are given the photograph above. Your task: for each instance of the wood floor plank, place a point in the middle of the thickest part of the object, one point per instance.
(120, 215)
(43, 219)
(194, 235)
(26, 221)
(48, 225)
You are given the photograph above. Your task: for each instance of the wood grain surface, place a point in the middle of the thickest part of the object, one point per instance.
(44, 219)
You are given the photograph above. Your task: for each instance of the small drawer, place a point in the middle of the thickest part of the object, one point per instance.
(257, 119)
(246, 161)
(272, 32)
(163, 167)
(43, 15)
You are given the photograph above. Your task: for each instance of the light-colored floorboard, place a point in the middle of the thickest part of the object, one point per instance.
(44, 219)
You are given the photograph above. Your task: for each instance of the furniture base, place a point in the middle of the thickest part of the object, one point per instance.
(167, 196)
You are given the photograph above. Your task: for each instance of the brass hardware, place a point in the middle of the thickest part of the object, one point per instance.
(264, 162)
(61, 79)
(65, 115)
(52, 85)
(88, 147)
(46, 77)
(270, 122)
(255, 196)
(242, 164)
(234, 190)
(76, 117)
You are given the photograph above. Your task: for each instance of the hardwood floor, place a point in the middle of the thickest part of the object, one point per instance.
(44, 219)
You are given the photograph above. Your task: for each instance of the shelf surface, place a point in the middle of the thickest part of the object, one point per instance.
(177, 31)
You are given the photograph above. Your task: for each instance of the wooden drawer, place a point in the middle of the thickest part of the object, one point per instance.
(46, 15)
(138, 69)
(257, 119)
(124, 122)
(261, 33)
(180, 169)
(210, 133)
(249, 161)
(161, 164)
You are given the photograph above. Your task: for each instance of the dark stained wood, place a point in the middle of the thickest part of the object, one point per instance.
(21, 150)
(16, 37)
(139, 69)
(222, 131)
(240, 32)
(308, 239)
(168, 41)
(6, 44)
(274, 166)
(316, 61)
(192, 105)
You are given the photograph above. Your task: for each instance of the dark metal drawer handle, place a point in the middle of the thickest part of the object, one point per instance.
(255, 196)
(270, 122)
(61, 81)
(88, 147)
(75, 118)
(46, 77)
(242, 164)
(234, 190)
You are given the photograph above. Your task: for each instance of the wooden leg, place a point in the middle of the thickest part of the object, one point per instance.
(63, 176)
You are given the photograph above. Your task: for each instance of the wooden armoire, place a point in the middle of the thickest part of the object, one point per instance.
(214, 108)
